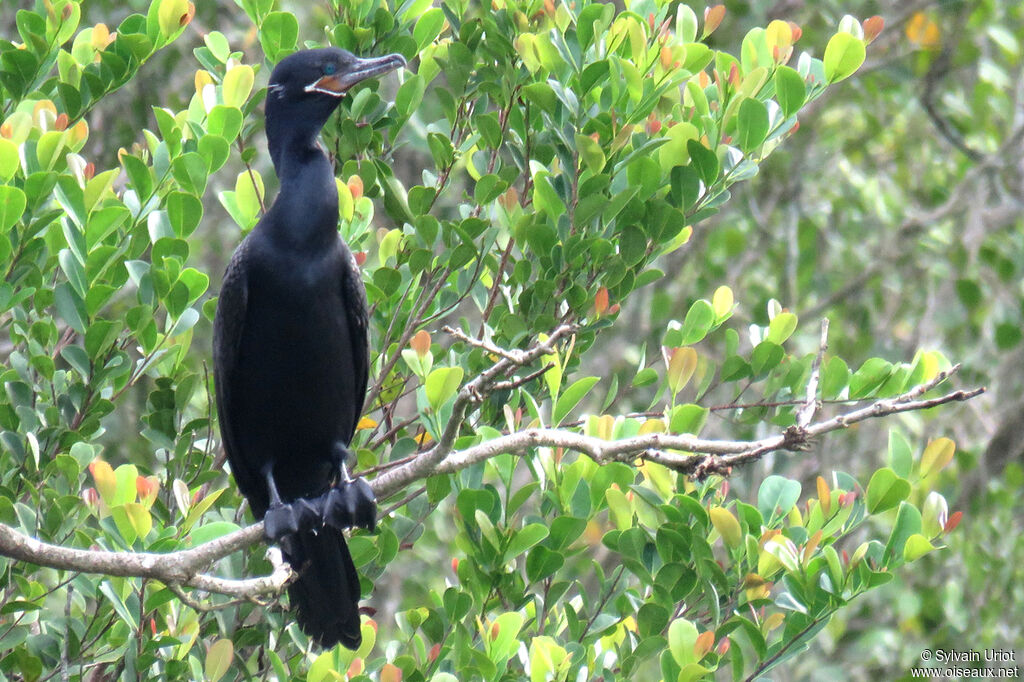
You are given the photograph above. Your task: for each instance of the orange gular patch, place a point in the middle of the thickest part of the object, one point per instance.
(329, 85)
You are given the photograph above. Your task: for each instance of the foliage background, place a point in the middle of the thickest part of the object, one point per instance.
(894, 211)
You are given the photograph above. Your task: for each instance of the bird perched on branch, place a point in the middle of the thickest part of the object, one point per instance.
(291, 353)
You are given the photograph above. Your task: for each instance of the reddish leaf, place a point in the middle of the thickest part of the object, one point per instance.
(797, 31)
(712, 18)
(953, 522)
(872, 27)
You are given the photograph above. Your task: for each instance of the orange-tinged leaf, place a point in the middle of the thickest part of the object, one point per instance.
(773, 621)
(421, 343)
(106, 482)
(366, 423)
(390, 673)
(356, 668)
(921, 29)
(147, 488)
(937, 455)
(424, 438)
(667, 59)
(355, 185)
(811, 546)
(713, 18)
(434, 652)
(872, 27)
(824, 496)
(601, 301)
(705, 642)
(100, 37)
(723, 646)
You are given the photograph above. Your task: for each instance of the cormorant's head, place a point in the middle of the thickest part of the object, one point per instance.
(327, 72)
(305, 88)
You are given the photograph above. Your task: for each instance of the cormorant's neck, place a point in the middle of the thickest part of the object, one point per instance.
(305, 213)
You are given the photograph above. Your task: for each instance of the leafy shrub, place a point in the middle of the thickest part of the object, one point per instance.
(559, 152)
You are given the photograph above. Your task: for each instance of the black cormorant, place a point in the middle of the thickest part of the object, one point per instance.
(291, 353)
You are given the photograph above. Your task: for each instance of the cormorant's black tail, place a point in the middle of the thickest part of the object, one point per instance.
(326, 593)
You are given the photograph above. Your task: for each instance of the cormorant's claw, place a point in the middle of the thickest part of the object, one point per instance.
(298, 515)
(281, 520)
(350, 504)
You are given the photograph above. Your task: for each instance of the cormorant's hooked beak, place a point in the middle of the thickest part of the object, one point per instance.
(337, 84)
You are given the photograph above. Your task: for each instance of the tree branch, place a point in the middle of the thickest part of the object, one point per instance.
(687, 454)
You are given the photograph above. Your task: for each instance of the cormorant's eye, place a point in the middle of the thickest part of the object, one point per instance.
(330, 68)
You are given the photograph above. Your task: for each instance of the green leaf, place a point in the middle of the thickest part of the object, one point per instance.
(704, 160)
(682, 636)
(916, 547)
(12, 205)
(428, 27)
(570, 398)
(869, 377)
(699, 320)
(441, 384)
(278, 35)
(409, 95)
(781, 328)
(190, 170)
(843, 56)
(751, 124)
(790, 90)
(835, 375)
(74, 271)
(211, 531)
(777, 496)
(901, 460)
(9, 162)
(70, 307)
(591, 153)
(524, 539)
(225, 122)
(908, 523)
(542, 563)
(886, 490)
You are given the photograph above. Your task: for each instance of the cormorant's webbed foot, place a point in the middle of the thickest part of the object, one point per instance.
(350, 504)
(298, 515)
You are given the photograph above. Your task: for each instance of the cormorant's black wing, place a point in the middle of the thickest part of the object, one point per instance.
(354, 297)
(228, 326)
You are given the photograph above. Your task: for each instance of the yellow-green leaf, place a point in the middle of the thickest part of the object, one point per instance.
(726, 525)
(237, 85)
(218, 659)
